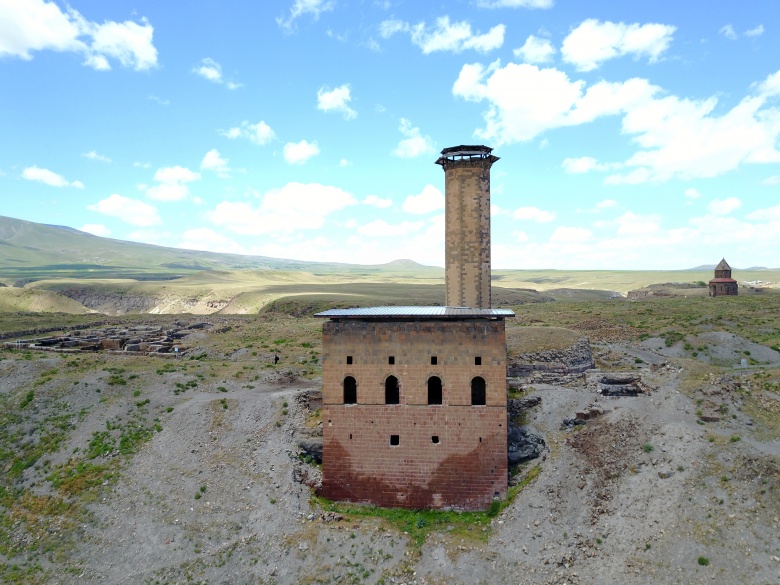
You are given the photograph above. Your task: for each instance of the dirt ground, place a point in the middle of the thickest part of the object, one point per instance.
(645, 493)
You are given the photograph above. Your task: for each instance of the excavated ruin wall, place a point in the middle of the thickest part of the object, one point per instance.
(574, 359)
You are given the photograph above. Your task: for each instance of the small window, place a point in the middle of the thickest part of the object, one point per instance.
(435, 439)
(392, 395)
(434, 360)
(434, 390)
(395, 440)
(391, 360)
(478, 391)
(349, 360)
(350, 390)
(478, 361)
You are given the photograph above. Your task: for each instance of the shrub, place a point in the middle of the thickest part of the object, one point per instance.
(647, 447)
(703, 561)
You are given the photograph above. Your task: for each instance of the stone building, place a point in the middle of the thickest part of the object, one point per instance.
(414, 398)
(723, 284)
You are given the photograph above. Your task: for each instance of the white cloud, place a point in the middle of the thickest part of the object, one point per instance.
(692, 193)
(380, 228)
(128, 210)
(297, 153)
(515, 3)
(96, 229)
(48, 177)
(583, 164)
(209, 240)
(526, 100)
(172, 185)
(415, 144)
(92, 155)
(593, 42)
(770, 214)
(728, 32)
(520, 236)
(533, 214)
(429, 199)
(37, 25)
(209, 69)
(159, 100)
(675, 137)
(570, 235)
(445, 35)
(606, 204)
(142, 165)
(294, 207)
(756, 31)
(724, 206)
(535, 50)
(301, 7)
(345, 162)
(377, 201)
(213, 161)
(336, 100)
(260, 133)
(773, 180)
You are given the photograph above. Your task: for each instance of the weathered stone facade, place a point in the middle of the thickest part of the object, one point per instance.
(414, 454)
(722, 284)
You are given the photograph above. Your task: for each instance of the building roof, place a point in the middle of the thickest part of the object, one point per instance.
(721, 280)
(723, 265)
(434, 312)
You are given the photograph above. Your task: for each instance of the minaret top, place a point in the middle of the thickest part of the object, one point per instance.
(466, 155)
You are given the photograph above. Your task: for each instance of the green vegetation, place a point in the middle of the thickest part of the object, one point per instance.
(703, 561)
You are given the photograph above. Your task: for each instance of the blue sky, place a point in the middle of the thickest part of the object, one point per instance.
(632, 135)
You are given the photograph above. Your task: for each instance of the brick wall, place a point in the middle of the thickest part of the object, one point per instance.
(448, 455)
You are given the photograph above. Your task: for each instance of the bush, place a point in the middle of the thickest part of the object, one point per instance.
(647, 447)
(703, 561)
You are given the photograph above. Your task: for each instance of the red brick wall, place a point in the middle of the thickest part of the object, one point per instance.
(467, 467)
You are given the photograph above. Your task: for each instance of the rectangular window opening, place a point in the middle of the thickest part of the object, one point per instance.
(395, 440)
(349, 360)
(435, 439)
(478, 361)
(391, 360)
(434, 360)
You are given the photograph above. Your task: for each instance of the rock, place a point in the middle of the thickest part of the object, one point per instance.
(523, 445)
(665, 474)
(311, 447)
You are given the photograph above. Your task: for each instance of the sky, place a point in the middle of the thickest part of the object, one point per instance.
(631, 135)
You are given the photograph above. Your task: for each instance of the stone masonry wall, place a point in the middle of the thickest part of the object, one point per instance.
(448, 455)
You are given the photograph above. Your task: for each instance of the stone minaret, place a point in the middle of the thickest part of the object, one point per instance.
(467, 237)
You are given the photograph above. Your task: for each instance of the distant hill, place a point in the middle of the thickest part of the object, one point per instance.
(32, 251)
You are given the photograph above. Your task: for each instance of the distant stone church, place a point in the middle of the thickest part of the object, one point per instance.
(723, 284)
(414, 398)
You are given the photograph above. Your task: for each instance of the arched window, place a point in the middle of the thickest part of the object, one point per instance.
(392, 395)
(350, 390)
(478, 397)
(434, 390)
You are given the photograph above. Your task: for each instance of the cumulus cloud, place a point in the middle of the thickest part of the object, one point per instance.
(415, 144)
(445, 35)
(92, 155)
(728, 32)
(773, 180)
(294, 207)
(724, 206)
(535, 50)
(302, 7)
(377, 201)
(297, 153)
(755, 32)
(336, 100)
(593, 42)
(260, 133)
(429, 199)
(209, 69)
(692, 193)
(38, 25)
(130, 211)
(675, 137)
(213, 161)
(48, 177)
(208, 240)
(570, 234)
(583, 164)
(380, 228)
(96, 229)
(172, 184)
(533, 214)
